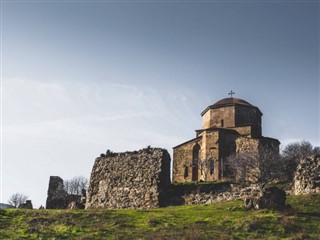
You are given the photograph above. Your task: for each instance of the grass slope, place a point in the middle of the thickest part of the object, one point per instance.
(217, 221)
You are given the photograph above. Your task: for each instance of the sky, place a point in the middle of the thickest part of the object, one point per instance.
(81, 77)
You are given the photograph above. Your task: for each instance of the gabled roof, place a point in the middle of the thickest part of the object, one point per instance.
(192, 140)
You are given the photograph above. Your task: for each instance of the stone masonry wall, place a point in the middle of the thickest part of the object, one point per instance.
(253, 196)
(228, 194)
(56, 194)
(307, 176)
(132, 180)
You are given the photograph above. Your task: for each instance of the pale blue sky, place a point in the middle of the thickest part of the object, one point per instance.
(79, 78)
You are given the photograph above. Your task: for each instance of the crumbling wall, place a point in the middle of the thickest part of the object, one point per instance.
(56, 194)
(26, 205)
(253, 196)
(307, 176)
(58, 198)
(133, 180)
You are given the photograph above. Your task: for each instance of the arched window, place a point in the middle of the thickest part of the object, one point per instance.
(195, 162)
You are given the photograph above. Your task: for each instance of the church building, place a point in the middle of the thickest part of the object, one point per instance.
(229, 126)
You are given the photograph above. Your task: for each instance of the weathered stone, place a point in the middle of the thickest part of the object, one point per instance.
(58, 198)
(26, 205)
(133, 180)
(307, 176)
(56, 194)
(253, 197)
(271, 198)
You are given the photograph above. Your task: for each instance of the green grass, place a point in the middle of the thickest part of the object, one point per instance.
(217, 221)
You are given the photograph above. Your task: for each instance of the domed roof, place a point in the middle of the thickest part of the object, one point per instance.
(229, 102)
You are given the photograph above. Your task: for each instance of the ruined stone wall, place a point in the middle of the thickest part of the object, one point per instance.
(253, 197)
(133, 180)
(307, 176)
(26, 205)
(235, 193)
(56, 194)
(58, 198)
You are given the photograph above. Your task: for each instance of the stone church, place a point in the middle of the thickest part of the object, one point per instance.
(229, 126)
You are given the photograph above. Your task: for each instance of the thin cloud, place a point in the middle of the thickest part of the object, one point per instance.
(65, 125)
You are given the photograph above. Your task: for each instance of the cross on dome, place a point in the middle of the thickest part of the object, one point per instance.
(231, 93)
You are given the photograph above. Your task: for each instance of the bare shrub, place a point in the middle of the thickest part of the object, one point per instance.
(17, 199)
(259, 167)
(76, 185)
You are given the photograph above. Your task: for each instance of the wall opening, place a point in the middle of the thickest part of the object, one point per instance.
(195, 161)
(222, 123)
(186, 172)
(211, 166)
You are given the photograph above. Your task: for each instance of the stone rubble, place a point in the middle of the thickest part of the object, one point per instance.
(235, 193)
(253, 197)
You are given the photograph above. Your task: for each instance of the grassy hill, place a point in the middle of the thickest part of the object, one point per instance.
(217, 221)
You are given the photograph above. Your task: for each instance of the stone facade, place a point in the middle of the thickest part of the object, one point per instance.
(307, 176)
(229, 126)
(133, 180)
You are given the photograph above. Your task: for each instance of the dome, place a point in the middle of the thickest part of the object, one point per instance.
(231, 101)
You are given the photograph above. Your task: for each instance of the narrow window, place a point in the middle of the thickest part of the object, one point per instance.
(186, 172)
(211, 166)
(222, 123)
(195, 160)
